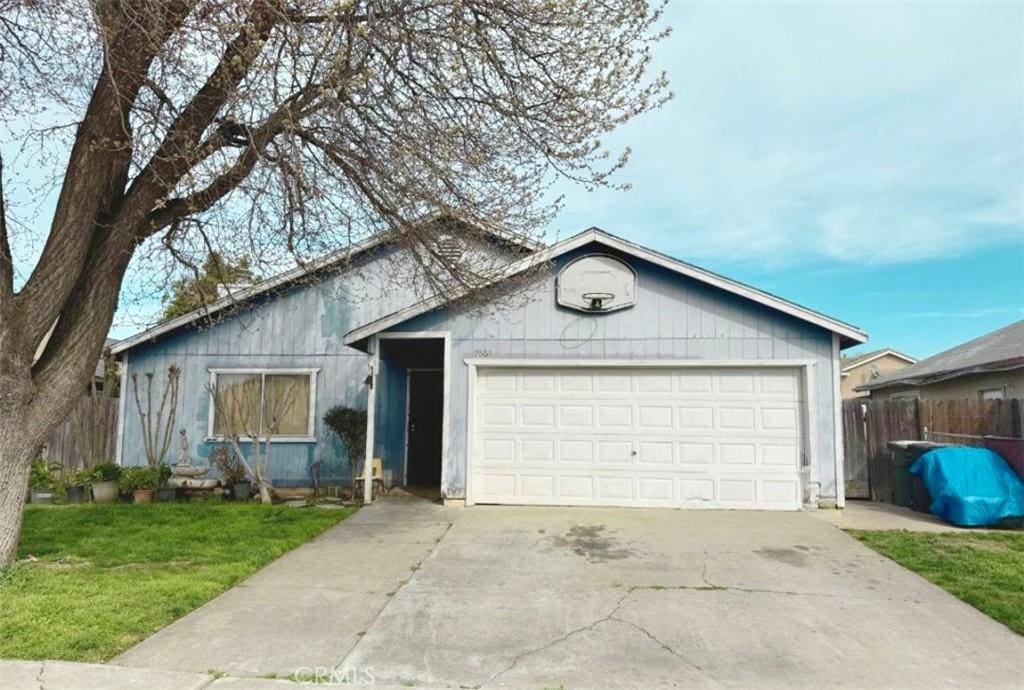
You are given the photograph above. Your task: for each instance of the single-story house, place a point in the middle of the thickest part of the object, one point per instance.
(868, 366)
(590, 372)
(990, 367)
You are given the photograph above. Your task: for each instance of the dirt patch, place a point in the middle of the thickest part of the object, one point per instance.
(593, 543)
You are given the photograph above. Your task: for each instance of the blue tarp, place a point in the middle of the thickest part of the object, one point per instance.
(970, 486)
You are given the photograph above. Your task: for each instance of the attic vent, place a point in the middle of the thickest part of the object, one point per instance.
(451, 248)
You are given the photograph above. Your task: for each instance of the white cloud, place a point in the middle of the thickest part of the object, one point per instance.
(862, 133)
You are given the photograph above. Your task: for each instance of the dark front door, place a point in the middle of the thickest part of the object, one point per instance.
(426, 416)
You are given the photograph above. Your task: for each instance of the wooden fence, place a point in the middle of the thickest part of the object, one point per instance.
(868, 425)
(87, 436)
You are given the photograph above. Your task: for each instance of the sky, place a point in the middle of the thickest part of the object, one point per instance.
(862, 159)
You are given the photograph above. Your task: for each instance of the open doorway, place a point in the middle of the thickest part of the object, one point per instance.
(424, 427)
(419, 362)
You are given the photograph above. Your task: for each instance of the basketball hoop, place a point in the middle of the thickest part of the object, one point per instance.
(596, 300)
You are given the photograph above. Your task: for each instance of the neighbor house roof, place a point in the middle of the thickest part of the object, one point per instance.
(849, 363)
(246, 293)
(101, 366)
(999, 350)
(850, 334)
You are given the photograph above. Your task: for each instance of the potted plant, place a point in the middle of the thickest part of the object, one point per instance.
(165, 493)
(77, 488)
(42, 483)
(104, 482)
(232, 472)
(140, 482)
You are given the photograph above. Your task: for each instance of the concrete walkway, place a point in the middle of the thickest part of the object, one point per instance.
(870, 515)
(306, 610)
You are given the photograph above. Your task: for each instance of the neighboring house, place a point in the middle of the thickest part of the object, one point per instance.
(986, 368)
(594, 372)
(867, 367)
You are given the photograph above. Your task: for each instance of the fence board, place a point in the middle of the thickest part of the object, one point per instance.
(869, 425)
(87, 436)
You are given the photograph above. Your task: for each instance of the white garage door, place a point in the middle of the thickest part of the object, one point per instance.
(686, 437)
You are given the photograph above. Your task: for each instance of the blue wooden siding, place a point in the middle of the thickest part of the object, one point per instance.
(301, 327)
(674, 318)
(390, 418)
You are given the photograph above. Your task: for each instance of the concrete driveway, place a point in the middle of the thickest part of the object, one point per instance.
(407, 592)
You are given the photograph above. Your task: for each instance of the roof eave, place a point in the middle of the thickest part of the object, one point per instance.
(938, 377)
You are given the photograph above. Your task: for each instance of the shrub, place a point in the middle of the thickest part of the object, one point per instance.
(83, 477)
(164, 473)
(106, 472)
(41, 476)
(350, 426)
(135, 478)
(229, 467)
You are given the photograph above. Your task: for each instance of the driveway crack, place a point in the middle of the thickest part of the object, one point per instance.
(668, 648)
(575, 631)
(39, 676)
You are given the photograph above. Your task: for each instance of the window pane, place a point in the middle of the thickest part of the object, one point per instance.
(238, 399)
(286, 405)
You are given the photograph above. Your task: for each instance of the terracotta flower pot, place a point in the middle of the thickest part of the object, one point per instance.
(105, 492)
(144, 495)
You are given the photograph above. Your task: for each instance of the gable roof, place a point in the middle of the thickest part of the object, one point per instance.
(849, 363)
(236, 297)
(849, 334)
(999, 350)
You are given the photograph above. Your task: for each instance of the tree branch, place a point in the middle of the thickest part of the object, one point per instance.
(177, 153)
(6, 260)
(96, 173)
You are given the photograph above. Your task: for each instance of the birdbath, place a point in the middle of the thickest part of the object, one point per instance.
(189, 477)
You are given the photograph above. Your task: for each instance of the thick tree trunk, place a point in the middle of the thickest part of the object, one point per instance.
(15, 462)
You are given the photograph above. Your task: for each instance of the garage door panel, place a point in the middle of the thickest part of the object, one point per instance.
(580, 416)
(615, 416)
(538, 416)
(576, 487)
(696, 453)
(696, 418)
(684, 437)
(696, 490)
(737, 418)
(572, 451)
(537, 486)
(738, 490)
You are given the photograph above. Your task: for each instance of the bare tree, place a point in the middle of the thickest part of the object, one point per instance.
(157, 430)
(284, 128)
(238, 424)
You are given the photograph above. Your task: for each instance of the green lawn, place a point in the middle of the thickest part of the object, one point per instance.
(108, 576)
(985, 569)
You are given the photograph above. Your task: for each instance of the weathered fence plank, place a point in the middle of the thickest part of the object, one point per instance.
(869, 425)
(86, 437)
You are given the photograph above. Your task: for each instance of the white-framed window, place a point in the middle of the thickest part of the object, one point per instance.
(991, 393)
(269, 403)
